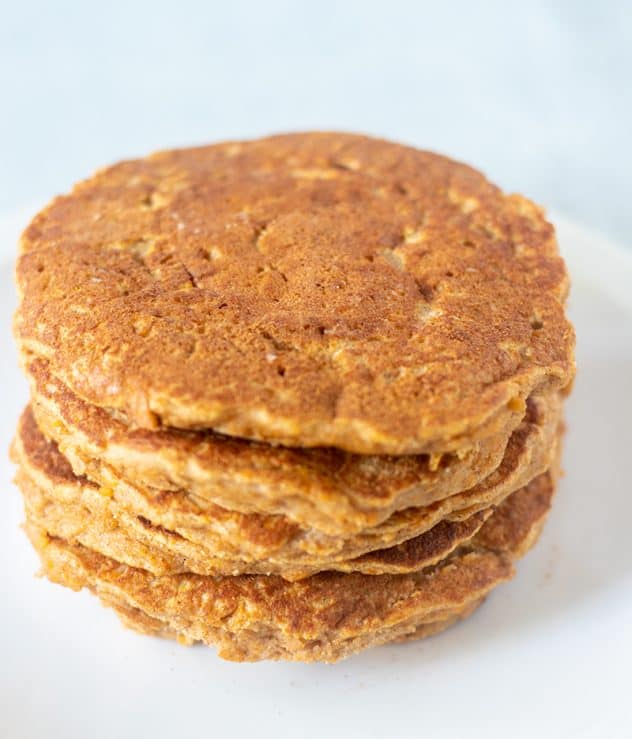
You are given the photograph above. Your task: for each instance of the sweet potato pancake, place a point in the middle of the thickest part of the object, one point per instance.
(293, 397)
(309, 289)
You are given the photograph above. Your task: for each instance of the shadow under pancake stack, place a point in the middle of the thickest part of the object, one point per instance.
(293, 397)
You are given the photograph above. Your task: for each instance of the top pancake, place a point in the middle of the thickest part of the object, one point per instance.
(309, 290)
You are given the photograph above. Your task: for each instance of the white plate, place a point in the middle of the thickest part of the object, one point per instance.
(549, 655)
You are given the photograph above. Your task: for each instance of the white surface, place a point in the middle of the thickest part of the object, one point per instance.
(536, 93)
(549, 655)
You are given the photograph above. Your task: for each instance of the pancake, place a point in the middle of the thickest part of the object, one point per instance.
(139, 621)
(75, 508)
(133, 541)
(308, 290)
(212, 539)
(321, 618)
(321, 484)
(332, 492)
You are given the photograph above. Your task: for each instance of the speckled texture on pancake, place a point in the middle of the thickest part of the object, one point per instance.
(324, 617)
(75, 509)
(94, 522)
(308, 289)
(326, 482)
(166, 532)
(253, 617)
(321, 489)
(139, 621)
(249, 542)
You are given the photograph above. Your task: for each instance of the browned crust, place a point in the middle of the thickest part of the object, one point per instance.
(334, 492)
(142, 528)
(334, 482)
(139, 621)
(324, 617)
(339, 291)
(93, 521)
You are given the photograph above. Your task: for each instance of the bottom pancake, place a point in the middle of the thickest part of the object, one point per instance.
(139, 621)
(325, 617)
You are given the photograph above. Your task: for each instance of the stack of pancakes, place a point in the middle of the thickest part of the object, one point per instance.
(292, 397)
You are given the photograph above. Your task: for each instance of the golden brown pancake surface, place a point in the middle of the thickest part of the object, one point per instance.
(308, 289)
(324, 617)
(224, 542)
(333, 492)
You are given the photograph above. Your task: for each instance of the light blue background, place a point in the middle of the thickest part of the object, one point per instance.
(536, 94)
